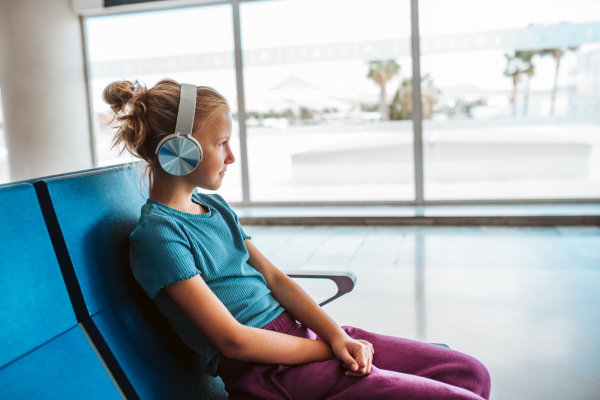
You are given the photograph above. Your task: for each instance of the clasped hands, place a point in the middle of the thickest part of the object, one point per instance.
(356, 354)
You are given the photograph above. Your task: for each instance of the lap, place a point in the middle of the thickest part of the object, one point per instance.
(326, 380)
(402, 368)
(410, 356)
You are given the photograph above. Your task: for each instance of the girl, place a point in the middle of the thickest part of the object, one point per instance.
(254, 326)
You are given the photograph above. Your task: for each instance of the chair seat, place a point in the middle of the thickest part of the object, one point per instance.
(66, 367)
(142, 345)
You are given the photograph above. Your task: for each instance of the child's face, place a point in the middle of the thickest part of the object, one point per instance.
(216, 153)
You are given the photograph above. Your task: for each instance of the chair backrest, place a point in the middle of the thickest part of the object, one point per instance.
(90, 216)
(43, 350)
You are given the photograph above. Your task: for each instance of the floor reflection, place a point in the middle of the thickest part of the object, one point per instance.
(420, 310)
(524, 301)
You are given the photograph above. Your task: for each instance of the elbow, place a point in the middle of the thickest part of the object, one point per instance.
(230, 350)
(232, 346)
(232, 354)
(276, 279)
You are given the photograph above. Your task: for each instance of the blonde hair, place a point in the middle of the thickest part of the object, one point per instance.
(148, 115)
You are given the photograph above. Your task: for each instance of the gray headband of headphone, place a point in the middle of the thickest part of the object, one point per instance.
(180, 153)
(187, 109)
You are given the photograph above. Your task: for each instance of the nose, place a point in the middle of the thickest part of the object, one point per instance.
(230, 157)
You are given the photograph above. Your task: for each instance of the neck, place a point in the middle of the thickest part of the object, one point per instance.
(172, 191)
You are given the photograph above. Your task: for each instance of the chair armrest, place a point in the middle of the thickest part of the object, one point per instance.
(345, 281)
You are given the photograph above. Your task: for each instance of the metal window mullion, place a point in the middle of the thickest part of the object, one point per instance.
(239, 73)
(416, 99)
(88, 80)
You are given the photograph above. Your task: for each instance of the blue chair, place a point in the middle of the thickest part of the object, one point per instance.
(89, 217)
(44, 353)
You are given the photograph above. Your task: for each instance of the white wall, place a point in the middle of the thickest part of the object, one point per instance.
(43, 88)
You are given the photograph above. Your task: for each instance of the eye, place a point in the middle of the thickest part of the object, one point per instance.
(222, 143)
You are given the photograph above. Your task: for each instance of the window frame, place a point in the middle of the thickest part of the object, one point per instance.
(246, 198)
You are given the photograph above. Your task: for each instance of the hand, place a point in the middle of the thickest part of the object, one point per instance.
(357, 355)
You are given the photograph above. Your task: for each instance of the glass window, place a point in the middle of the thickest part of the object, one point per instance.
(193, 45)
(511, 94)
(327, 89)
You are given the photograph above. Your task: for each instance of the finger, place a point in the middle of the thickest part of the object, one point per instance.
(356, 372)
(367, 343)
(349, 361)
(350, 367)
(369, 357)
(348, 373)
(369, 363)
(362, 360)
(362, 370)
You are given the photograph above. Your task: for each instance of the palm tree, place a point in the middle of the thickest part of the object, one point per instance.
(557, 55)
(513, 70)
(381, 72)
(526, 56)
(402, 106)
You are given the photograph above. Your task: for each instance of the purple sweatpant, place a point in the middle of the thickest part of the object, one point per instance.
(402, 369)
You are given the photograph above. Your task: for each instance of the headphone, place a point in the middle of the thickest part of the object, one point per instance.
(179, 153)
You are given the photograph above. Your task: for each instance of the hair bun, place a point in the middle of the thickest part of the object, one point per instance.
(118, 94)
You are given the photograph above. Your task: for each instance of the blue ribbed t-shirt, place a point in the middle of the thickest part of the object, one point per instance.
(168, 246)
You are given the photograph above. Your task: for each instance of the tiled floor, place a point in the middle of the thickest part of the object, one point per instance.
(524, 301)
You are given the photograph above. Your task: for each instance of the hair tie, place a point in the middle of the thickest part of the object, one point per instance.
(134, 93)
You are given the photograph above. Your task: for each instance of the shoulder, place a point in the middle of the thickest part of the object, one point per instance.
(154, 225)
(160, 253)
(229, 216)
(215, 200)
(212, 198)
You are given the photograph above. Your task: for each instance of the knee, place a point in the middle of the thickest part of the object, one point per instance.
(476, 376)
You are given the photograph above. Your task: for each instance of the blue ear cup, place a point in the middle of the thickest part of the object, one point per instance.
(179, 153)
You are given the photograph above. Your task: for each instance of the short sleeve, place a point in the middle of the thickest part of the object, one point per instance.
(160, 254)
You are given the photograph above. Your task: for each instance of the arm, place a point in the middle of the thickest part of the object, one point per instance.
(291, 297)
(356, 356)
(235, 340)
